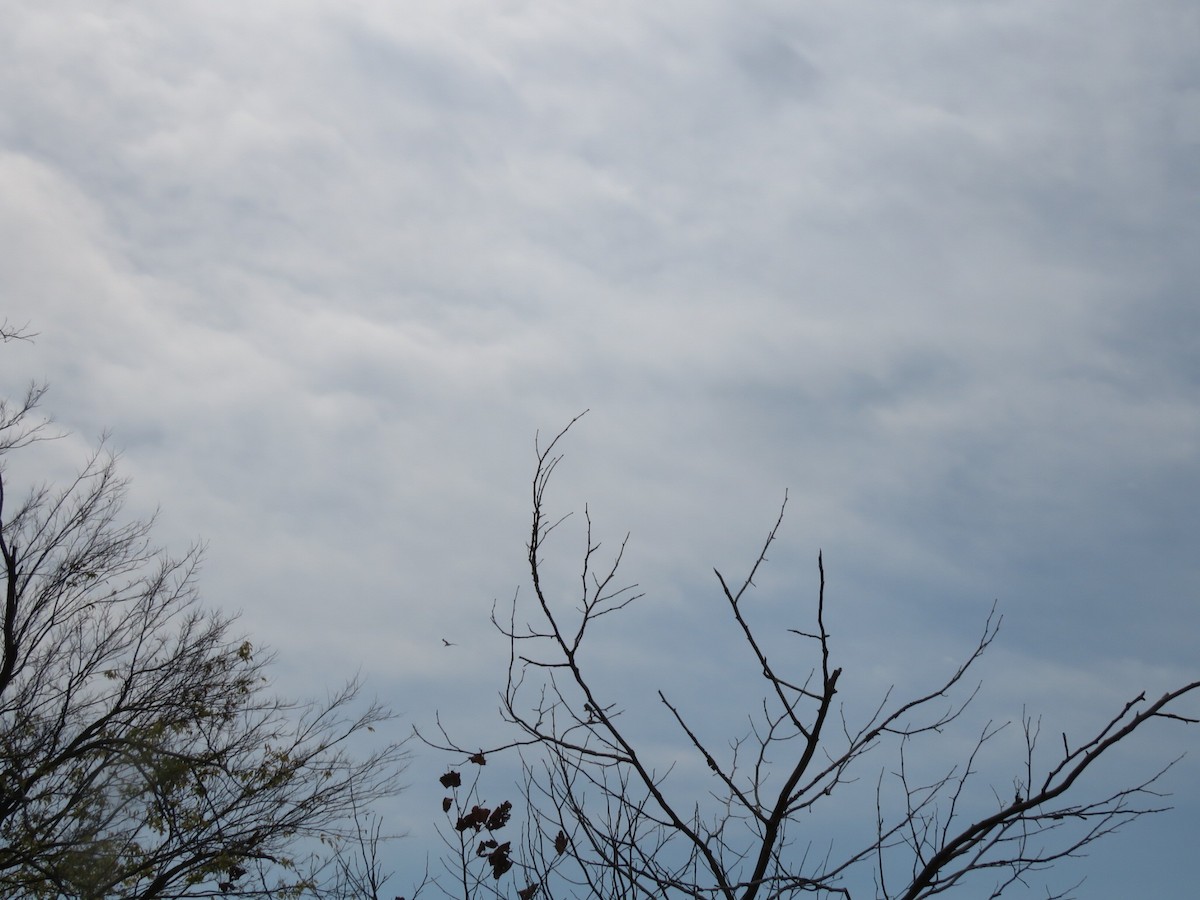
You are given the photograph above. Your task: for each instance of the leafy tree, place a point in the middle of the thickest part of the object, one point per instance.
(142, 751)
(606, 821)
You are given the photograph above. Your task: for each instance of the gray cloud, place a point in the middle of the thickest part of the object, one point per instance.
(325, 271)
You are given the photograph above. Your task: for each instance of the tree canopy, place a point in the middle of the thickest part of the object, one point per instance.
(143, 750)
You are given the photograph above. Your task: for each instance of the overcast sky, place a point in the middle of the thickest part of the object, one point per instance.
(324, 269)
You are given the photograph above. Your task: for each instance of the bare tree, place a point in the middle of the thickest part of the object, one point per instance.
(604, 821)
(357, 860)
(143, 752)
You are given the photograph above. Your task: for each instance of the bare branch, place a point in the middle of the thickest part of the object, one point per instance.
(620, 833)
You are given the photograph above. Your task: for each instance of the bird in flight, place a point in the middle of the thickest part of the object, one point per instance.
(447, 643)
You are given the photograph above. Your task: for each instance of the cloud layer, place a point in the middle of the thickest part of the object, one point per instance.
(324, 270)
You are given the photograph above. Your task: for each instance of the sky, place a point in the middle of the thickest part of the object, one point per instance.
(323, 270)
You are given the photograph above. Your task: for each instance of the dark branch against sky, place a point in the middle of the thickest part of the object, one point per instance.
(323, 270)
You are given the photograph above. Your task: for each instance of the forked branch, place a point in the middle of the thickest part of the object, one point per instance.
(586, 774)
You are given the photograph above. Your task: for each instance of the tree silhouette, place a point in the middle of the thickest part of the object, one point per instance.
(605, 822)
(142, 751)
